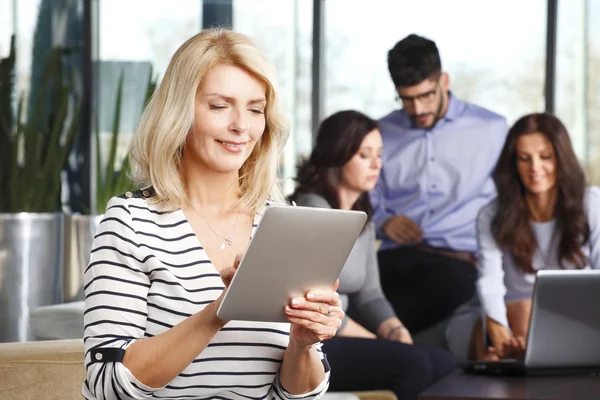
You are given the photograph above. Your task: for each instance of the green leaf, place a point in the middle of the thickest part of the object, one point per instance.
(110, 166)
(99, 178)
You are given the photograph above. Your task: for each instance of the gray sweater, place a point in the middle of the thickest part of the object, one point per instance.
(501, 281)
(359, 280)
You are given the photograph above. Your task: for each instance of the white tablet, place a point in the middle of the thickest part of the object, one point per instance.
(293, 250)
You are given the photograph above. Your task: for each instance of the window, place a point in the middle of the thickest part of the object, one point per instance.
(283, 29)
(135, 38)
(6, 25)
(578, 78)
(135, 35)
(494, 52)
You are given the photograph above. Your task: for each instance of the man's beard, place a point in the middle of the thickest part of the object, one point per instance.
(437, 115)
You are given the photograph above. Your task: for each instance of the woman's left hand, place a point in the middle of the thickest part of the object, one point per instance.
(315, 317)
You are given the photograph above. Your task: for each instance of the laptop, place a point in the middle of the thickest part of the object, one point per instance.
(564, 329)
(294, 250)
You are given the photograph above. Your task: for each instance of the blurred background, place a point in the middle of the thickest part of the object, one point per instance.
(511, 56)
(75, 75)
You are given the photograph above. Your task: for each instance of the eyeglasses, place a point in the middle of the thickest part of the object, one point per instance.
(424, 98)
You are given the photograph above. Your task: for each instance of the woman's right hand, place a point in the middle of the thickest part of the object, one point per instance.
(505, 344)
(226, 276)
(228, 273)
(512, 348)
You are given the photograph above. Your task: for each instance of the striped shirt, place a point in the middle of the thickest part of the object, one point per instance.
(147, 273)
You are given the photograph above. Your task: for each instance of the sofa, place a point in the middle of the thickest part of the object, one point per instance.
(53, 369)
(42, 370)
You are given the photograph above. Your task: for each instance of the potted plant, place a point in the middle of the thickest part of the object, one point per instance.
(33, 154)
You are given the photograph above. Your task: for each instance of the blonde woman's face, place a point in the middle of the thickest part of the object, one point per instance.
(229, 119)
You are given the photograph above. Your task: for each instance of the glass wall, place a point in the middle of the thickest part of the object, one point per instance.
(38, 26)
(19, 18)
(493, 53)
(578, 78)
(287, 41)
(146, 31)
(137, 35)
(135, 39)
(6, 25)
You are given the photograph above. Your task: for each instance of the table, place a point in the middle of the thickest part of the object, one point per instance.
(459, 386)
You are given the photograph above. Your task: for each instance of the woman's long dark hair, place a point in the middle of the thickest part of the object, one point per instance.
(511, 225)
(338, 139)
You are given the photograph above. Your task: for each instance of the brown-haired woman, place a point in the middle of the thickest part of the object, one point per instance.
(343, 167)
(543, 218)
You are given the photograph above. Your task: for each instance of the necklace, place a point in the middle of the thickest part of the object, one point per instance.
(228, 239)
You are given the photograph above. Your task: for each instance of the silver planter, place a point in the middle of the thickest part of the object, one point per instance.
(31, 264)
(79, 235)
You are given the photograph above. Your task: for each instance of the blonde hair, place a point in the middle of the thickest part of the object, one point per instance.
(157, 147)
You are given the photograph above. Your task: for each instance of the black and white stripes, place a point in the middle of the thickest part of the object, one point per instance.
(147, 273)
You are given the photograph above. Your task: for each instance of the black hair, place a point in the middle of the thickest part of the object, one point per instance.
(412, 60)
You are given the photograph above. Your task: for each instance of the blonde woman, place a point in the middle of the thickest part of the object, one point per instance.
(205, 154)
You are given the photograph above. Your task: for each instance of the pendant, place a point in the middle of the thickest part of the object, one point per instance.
(227, 241)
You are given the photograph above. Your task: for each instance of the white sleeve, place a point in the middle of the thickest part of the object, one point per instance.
(116, 288)
(278, 392)
(490, 283)
(593, 214)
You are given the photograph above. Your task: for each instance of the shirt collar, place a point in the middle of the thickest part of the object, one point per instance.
(455, 107)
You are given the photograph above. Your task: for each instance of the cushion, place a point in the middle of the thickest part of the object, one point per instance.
(58, 321)
(42, 370)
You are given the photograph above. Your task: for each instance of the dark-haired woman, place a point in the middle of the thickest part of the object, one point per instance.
(343, 167)
(545, 217)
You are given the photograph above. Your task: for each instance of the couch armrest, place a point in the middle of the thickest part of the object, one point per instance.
(54, 369)
(42, 370)
(376, 395)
